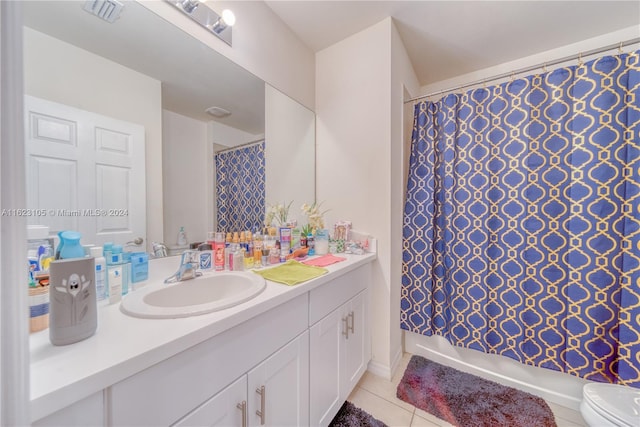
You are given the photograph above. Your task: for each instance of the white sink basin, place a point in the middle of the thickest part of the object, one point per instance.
(193, 297)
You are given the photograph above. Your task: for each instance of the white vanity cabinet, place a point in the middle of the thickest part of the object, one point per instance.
(293, 363)
(277, 393)
(340, 343)
(225, 409)
(86, 412)
(166, 392)
(279, 387)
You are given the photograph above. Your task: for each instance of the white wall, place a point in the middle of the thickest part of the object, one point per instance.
(186, 183)
(289, 152)
(359, 91)
(561, 52)
(227, 136)
(262, 44)
(60, 72)
(404, 85)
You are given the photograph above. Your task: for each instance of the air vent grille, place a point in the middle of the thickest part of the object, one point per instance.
(108, 10)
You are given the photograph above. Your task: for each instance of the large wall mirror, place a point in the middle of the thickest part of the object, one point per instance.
(118, 138)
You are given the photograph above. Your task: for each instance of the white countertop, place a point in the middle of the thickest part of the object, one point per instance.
(124, 345)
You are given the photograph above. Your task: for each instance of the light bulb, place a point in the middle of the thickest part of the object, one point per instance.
(228, 17)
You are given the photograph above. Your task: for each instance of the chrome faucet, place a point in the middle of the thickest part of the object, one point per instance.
(188, 268)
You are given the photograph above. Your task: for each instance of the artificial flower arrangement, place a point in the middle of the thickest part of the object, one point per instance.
(278, 213)
(315, 220)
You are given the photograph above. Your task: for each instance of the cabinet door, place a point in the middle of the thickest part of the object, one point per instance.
(278, 388)
(325, 339)
(225, 409)
(357, 345)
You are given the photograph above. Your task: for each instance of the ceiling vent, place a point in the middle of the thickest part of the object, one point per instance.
(218, 112)
(108, 10)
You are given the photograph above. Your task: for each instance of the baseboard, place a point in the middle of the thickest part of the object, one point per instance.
(553, 386)
(384, 370)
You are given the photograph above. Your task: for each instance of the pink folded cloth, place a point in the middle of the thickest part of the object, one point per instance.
(324, 260)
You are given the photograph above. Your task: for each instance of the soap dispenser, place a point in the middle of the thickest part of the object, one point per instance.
(182, 237)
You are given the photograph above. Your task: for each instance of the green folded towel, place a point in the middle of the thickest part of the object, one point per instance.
(291, 273)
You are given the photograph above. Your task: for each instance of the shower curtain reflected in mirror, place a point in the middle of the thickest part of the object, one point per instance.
(240, 188)
(521, 231)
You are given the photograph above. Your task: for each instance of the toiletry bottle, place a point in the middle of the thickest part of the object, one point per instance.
(322, 242)
(257, 249)
(238, 259)
(250, 243)
(71, 247)
(274, 254)
(60, 244)
(248, 260)
(311, 244)
(182, 237)
(106, 250)
(101, 271)
(295, 239)
(139, 267)
(205, 257)
(117, 278)
(218, 249)
(126, 262)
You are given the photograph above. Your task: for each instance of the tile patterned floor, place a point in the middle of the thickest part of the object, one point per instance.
(377, 396)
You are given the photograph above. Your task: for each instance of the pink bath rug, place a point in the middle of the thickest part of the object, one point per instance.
(466, 400)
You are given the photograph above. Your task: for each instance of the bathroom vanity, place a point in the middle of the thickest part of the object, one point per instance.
(289, 356)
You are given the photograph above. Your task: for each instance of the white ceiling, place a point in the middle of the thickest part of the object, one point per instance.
(445, 39)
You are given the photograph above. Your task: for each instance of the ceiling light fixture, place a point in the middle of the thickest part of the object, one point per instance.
(109, 10)
(220, 26)
(218, 112)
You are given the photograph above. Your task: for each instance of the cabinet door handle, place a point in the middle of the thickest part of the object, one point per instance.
(353, 322)
(345, 331)
(243, 407)
(261, 412)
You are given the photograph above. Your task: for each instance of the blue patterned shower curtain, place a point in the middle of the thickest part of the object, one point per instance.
(522, 222)
(240, 191)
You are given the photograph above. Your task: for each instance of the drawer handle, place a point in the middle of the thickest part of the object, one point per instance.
(351, 328)
(243, 407)
(345, 331)
(261, 412)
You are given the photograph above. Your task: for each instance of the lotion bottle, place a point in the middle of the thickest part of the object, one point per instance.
(100, 265)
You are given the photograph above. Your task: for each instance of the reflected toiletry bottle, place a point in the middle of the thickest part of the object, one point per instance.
(218, 250)
(101, 271)
(182, 237)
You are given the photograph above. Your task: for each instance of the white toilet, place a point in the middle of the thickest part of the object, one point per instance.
(605, 405)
